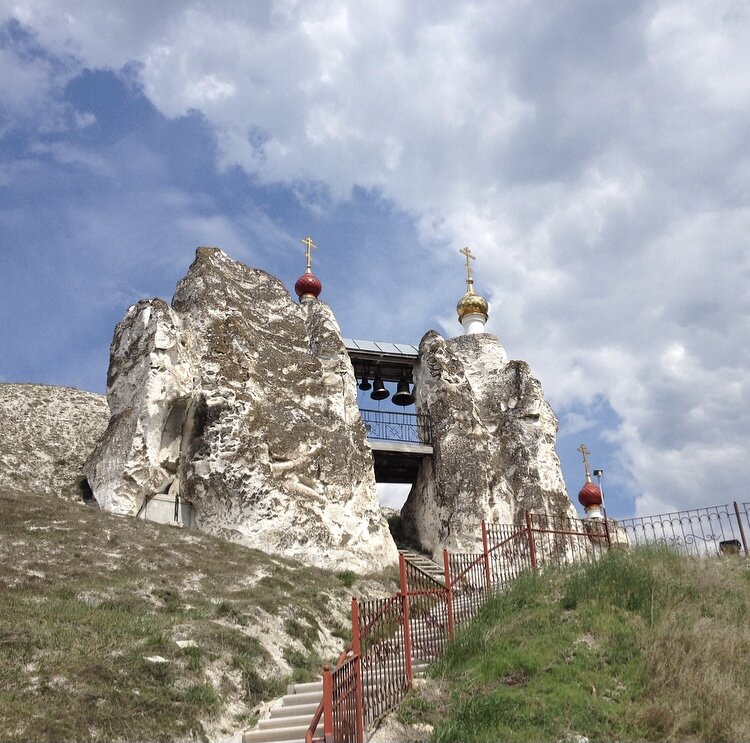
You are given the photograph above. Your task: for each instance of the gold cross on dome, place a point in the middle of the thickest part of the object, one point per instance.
(309, 245)
(584, 453)
(469, 277)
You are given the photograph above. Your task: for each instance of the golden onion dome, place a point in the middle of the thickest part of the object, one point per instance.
(472, 304)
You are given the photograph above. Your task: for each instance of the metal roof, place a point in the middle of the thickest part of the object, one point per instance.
(390, 361)
(381, 348)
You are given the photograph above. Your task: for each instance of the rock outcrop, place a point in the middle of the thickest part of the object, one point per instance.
(493, 439)
(46, 434)
(242, 402)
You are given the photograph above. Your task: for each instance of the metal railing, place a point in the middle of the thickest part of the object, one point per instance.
(698, 532)
(391, 425)
(375, 672)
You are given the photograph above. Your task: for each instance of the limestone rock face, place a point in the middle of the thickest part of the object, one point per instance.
(46, 434)
(493, 440)
(243, 402)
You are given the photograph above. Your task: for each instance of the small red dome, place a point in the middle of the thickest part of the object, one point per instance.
(308, 285)
(590, 495)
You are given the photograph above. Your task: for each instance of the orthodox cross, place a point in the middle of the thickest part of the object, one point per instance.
(469, 277)
(584, 452)
(309, 245)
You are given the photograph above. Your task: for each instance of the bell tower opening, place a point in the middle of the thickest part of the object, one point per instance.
(398, 434)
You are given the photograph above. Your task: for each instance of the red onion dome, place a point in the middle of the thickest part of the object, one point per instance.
(308, 285)
(590, 495)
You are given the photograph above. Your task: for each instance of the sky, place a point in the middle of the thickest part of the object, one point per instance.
(595, 156)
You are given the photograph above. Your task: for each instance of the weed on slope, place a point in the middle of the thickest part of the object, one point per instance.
(113, 629)
(638, 646)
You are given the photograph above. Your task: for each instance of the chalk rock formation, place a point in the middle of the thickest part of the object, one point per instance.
(46, 434)
(493, 439)
(242, 402)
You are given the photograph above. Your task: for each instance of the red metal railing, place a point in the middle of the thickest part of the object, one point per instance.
(428, 613)
(508, 553)
(560, 540)
(385, 672)
(375, 671)
(468, 579)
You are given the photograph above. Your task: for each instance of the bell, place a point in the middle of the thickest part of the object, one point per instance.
(364, 385)
(403, 396)
(379, 392)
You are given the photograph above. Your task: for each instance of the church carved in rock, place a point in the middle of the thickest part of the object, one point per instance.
(234, 411)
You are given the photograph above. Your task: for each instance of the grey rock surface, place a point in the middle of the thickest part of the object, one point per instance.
(243, 402)
(46, 434)
(493, 439)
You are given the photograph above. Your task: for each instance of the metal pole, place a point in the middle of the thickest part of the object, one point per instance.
(449, 593)
(327, 705)
(405, 615)
(530, 537)
(739, 523)
(485, 549)
(358, 690)
(599, 475)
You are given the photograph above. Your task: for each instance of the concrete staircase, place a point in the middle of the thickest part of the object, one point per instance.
(425, 564)
(289, 721)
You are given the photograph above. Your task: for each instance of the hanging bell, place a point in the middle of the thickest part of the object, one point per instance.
(379, 392)
(364, 385)
(403, 397)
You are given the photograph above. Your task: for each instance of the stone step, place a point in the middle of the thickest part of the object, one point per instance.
(305, 687)
(287, 722)
(295, 710)
(304, 698)
(296, 732)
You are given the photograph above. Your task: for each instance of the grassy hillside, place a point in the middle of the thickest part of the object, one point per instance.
(116, 629)
(643, 646)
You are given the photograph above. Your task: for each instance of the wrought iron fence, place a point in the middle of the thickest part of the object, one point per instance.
(429, 620)
(391, 425)
(385, 656)
(507, 549)
(560, 540)
(698, 532)
(375, 672)
(344, 681)
(468, 583)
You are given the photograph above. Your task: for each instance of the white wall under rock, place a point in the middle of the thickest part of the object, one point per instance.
(493, 439)
(243, 402)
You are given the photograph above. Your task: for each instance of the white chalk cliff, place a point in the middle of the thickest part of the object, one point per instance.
(243, 402)
(46, 434)
(494, 444)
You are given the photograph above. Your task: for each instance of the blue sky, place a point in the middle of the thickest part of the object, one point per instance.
(595, 156)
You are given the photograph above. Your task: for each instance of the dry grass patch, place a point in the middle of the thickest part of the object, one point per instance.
(87, 598)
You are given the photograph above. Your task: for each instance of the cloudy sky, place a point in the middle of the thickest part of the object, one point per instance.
(594, 155)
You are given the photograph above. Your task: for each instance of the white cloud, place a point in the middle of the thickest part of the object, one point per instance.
(392, 496)
(593, 155)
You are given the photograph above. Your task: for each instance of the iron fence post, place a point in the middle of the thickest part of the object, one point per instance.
(405, 617)
(448, 593)
(742, 530)
(530, 537)
(486, 551)
(327, 706)
(358, 689)
(606, 528)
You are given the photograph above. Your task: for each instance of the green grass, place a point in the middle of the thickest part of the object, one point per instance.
(86, 597)
(646, 646)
